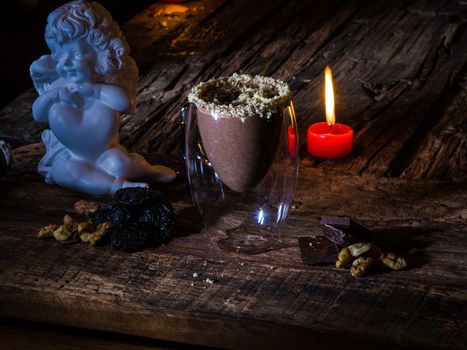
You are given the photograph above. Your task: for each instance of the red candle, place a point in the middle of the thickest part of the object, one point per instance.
(329, 139)
(329, 142)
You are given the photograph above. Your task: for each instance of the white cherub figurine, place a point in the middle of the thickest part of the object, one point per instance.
(85, 84)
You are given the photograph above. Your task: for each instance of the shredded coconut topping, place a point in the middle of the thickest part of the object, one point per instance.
(241, 96)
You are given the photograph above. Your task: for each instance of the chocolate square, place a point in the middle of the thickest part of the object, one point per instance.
(344, 231)
(317, 250)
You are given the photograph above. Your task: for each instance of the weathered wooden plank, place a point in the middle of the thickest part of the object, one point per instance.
(154, 293)
(400, 81)
(445, 145)
(212, 39)
(394, 65)
(24, 335)
(158, 31)
(404, 74)
(386, 137)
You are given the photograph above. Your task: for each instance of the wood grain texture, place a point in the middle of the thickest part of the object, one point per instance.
(26, 335)
(400, 75)
(269, 300)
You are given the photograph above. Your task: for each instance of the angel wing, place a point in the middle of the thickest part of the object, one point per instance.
(43, 73)
(127, 79)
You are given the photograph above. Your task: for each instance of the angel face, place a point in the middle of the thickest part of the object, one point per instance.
(76, 61)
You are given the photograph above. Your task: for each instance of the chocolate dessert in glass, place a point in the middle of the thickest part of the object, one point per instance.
(241, 148)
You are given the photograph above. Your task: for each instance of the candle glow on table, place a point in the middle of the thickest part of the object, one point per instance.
(329, 139)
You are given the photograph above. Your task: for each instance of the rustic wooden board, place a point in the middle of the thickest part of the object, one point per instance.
(270, 299)
(26, 335)
(400, 73)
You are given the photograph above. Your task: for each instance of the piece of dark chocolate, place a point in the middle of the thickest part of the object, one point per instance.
(317, 250)
(344, 231)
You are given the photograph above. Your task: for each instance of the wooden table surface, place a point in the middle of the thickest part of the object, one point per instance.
(401, 83)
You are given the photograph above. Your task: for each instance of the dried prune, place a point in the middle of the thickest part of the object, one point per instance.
(161, 217)
(141, 216)
(119, 214)
(100, 216)
(115, 213)
(133, 195)
(129, 237)
(166, 220)
(149, 215)
(138, 196)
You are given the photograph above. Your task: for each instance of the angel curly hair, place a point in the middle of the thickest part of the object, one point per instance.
(92, 22)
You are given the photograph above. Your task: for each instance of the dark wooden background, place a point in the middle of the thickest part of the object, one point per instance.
(401, 83)
(399, 72)
(22, 24)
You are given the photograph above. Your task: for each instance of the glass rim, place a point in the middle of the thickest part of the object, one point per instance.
(251, 97)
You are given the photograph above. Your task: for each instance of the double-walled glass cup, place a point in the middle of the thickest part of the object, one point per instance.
(242, 166)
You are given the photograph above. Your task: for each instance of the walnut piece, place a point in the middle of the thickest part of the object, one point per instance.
(70, 229)
(47, 231)
(393, 261)
(84, 207)
(366, 255)
(68, 220)
(344, 257)
(361, 266)
(67, 230)
(356, 250)
(95, 236)
(367, 249)
(85, 227)
(63, 233)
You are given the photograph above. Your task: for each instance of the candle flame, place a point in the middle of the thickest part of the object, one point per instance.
(329, 96)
